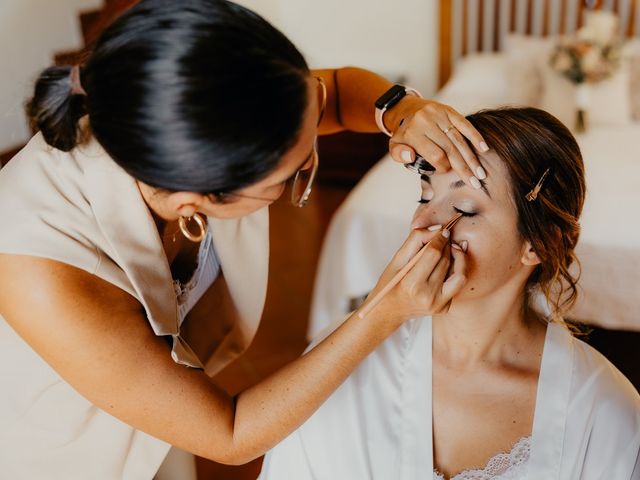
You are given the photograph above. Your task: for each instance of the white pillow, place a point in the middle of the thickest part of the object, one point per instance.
(526, 56)
(478, 81)
(608, 101)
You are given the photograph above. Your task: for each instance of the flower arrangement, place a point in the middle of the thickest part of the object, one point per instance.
(593, 53)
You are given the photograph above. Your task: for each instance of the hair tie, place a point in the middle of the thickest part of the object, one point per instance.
(76, 86)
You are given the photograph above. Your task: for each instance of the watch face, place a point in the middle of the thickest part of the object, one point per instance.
(391, 97)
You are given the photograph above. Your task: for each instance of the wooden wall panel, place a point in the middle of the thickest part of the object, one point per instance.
(469, 26)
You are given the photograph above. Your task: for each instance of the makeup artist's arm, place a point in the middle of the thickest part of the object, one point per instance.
(98, 340)
(417, 124)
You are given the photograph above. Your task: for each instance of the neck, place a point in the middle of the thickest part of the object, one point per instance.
(161, 218)
(489, 329)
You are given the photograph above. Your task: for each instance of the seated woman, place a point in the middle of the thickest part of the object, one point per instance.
(497, 386)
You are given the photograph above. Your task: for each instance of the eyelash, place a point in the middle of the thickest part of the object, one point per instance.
(464, 214)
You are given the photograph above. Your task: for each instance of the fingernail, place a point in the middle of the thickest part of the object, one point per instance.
(434, 228)
(456, 246)
(428, 195)
(475, 183)
(406, 156)
(484, 147)
(480, 173)
(446, 233)
(464, 244)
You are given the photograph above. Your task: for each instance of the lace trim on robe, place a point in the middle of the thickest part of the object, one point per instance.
(504, 466)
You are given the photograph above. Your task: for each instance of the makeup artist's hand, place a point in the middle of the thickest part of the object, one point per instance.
(437, 133)
(430, 285)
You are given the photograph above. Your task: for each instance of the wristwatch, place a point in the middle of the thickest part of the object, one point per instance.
(388, 99)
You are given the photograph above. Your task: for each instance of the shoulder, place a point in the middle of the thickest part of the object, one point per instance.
(601, 389)
(376, 385)
(47, 199)
(39, 170)
(602, 417)
(38, 180)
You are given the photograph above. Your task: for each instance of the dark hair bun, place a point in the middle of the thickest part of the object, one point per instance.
(196, 95)
(55, 110)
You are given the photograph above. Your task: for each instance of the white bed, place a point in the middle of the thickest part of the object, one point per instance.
(374, 219)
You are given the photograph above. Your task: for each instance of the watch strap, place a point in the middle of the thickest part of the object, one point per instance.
(388, 100)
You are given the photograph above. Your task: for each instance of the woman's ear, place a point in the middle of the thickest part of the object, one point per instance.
(185, 204)
(529, 255)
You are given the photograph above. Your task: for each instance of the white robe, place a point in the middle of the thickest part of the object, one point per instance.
(377, 425)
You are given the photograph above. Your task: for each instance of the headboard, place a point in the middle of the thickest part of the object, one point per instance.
(468, 26)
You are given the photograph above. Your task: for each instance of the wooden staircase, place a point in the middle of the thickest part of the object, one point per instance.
(92, 23)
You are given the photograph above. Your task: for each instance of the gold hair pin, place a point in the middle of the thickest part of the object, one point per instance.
(533, 194)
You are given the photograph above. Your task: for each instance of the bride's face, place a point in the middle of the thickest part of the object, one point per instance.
(497, 255)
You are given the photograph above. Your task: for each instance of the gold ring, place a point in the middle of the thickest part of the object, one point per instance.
(448, 129)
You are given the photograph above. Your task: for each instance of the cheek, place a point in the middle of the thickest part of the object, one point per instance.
(482, 244)
(492, 254)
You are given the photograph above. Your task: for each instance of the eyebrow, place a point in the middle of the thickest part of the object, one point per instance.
(459, 184)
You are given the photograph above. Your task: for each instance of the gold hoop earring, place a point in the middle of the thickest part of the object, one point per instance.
(182, 223)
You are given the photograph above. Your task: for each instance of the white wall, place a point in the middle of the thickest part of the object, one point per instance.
(31, 31)
(392, 37)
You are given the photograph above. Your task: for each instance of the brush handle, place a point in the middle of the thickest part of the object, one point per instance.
(393, 282)
(375, 300)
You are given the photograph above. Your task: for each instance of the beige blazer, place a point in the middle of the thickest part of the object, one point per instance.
(82, 209)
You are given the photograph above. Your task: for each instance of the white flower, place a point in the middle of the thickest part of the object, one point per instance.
(592, 61)
(600, 28)
(562, 62)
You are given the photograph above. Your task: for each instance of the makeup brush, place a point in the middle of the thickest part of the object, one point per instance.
(402, 272)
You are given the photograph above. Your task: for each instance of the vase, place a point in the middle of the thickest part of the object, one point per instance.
(582, 104)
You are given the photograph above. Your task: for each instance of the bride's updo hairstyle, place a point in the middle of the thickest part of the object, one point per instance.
(531, 141)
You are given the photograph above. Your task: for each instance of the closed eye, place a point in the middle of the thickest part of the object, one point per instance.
(465, 214)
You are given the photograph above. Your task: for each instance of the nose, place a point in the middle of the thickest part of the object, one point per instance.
(427, 216)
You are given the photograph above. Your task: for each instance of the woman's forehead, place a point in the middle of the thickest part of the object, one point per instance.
(495, 186)
(492, 163)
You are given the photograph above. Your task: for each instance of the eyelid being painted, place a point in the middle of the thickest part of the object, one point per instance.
(465, 213)
(457, 210)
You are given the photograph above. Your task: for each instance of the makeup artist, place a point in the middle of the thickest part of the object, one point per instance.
(134, 243)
